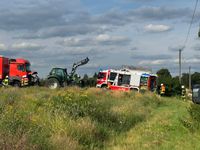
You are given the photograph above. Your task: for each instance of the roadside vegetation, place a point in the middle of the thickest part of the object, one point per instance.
(74, 118)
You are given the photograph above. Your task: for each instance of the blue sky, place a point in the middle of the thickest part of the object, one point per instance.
(56, 33)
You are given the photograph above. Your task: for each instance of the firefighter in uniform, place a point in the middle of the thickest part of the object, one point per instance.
(183, 92)
(162, 89)
(5, 82)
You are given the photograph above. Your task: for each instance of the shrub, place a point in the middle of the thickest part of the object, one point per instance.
(193, 121)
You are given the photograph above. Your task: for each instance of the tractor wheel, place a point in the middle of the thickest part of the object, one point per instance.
(52, 83)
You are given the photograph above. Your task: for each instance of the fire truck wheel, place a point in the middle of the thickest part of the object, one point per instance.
(53, 83)
(16, 84)
(134, 90)
(104, 86)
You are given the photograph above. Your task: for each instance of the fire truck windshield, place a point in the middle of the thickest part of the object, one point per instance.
(143, 80)
(101, 75)
(28, 67)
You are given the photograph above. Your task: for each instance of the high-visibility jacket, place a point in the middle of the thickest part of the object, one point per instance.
(162, 89)
(183, 92)
(5, 81)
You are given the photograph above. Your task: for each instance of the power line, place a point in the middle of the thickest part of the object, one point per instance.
(186, 40)
(190, 26)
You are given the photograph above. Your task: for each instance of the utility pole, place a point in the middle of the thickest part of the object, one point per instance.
(180, 65)
(190, 81)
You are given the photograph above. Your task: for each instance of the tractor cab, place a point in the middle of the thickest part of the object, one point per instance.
(60, 72)
(57, 77)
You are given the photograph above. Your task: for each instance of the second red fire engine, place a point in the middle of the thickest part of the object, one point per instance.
(17, 72)
(126, 79)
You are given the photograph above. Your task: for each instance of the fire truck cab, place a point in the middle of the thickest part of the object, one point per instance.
(105, 77)
(17, 71)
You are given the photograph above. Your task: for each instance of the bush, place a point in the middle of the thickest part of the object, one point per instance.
(193, 121)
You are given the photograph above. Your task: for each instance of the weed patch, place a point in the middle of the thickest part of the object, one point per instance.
(39, 118)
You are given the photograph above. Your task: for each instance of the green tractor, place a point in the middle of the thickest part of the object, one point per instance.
(58, 77)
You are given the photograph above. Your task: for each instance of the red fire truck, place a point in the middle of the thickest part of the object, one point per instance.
(126, 79)
(17, 72)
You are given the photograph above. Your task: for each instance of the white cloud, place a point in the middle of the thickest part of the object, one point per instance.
(105, 39)
(176, 48)
(167, 61)
(108, 38)
(77, 51)
(26, 46)
(157, 28)
(139, 0)
(154, 62)
(192, 61)
(160, 13)
(102, 39)
(188, 61)
(72, 41)
(92, 65)
(2, 46)
(196, 47)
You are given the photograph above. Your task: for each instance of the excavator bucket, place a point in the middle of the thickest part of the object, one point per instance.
(84, 61)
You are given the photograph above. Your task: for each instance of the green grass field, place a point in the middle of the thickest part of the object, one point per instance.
(73, 118)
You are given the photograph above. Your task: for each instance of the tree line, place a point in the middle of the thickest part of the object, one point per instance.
(164, 76)
(172, 83)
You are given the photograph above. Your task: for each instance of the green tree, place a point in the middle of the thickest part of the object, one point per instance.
(85, 81)
(164, 72)
(176, 87)
(164, 76)
(95, 75)
(196, 78)
(93, 80)
(185, 79)
(85, 77)
(89, 81)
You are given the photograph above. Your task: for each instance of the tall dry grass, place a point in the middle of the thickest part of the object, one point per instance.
(69, 118)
